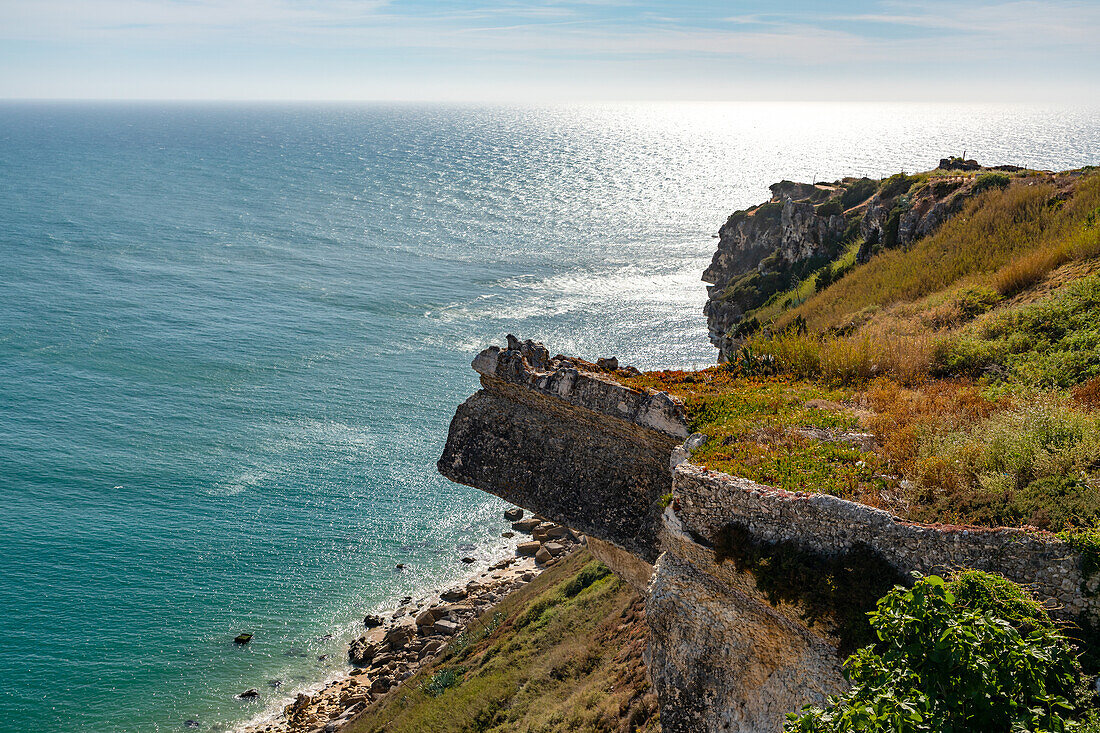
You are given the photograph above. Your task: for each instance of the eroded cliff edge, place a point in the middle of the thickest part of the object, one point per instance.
(562, 437)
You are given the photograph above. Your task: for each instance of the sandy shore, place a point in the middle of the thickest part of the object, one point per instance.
(393, 648)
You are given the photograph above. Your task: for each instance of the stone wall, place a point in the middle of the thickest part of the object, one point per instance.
(709, 500)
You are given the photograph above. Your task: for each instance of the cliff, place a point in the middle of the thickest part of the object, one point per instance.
(565, 438)
(804, 228)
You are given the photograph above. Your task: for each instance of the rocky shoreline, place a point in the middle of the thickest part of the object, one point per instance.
(416, 632)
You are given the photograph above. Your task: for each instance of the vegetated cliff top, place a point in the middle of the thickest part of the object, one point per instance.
(955, 379)
(778, 256)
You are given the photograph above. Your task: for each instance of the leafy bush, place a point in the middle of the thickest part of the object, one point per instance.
(858, 192)
(1055, 342)
(987, 181)
(830, 208)
(946, 664)
(896, 185)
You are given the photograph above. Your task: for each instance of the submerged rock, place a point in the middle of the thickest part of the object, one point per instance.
(243, 638)
(249, 694)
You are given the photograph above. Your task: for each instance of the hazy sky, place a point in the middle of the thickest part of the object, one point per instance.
(551, 50)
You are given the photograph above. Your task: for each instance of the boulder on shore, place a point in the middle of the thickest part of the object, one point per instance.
(543, 556)
(526, 525)
(361, 651)
(453, 594)
(513, 515)
(443, 626)
(372, 620)
(528, 548)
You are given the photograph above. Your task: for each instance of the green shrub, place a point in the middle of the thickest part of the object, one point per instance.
(896, 185)
(986, 181)
(769, 213)
(830, 208)
(942, 664)
(858, 192)
(1054, 343)
(442, 681)
(892, 226)
(588, 575)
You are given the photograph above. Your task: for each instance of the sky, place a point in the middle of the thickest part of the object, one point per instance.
(552, 50)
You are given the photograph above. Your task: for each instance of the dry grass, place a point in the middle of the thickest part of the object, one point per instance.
(563, 660)
(1012, 238)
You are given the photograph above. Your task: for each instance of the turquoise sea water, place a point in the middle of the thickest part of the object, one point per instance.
(232, 337)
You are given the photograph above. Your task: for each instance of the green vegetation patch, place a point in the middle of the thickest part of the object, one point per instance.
(1051, 343)
(988, 181)
(967, 655)
(775, 431)
(858, 192)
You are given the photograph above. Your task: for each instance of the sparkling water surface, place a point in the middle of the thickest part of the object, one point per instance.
(232, 337)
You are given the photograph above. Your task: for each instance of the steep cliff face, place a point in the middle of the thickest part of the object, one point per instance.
(563, 438)
(560, 437)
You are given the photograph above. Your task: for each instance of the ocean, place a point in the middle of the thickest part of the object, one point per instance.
(232, 338)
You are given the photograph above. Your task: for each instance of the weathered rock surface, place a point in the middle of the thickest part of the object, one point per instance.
(561, 438)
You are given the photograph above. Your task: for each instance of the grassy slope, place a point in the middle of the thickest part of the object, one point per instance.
(564, 654)
(973, 357)
(1007, 240)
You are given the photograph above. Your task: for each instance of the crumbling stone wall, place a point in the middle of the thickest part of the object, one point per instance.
(709, 500)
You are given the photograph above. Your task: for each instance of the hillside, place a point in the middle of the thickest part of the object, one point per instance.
(954, 379)
(562, 654)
